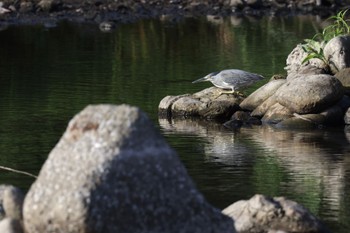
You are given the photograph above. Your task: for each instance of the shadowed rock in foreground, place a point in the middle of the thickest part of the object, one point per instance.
(113, 172)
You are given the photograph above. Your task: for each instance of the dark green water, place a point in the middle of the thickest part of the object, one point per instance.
(48, 75)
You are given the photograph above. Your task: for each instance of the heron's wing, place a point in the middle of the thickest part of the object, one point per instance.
(229, 78)
(238, 78)
(241, 74)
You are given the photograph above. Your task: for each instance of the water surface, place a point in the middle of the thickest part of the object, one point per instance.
(48, 75)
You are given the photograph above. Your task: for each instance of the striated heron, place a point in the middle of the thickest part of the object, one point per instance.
(231, 79)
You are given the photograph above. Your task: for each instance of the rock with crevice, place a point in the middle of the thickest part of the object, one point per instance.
(260, 110)
(112, 171)
(260, 95)
(261, 214)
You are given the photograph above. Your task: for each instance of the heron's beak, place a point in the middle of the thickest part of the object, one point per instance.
(201, 79)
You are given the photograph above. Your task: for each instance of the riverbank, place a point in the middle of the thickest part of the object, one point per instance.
(97, 11)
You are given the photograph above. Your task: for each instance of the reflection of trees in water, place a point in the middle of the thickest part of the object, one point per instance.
(243, 41)
(193, 47)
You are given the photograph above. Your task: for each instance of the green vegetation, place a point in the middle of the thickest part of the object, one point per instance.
(314, 47)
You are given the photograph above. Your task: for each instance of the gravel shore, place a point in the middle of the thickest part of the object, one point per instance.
(124, 11)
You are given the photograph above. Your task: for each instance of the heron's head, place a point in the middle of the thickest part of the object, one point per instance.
(209, 77)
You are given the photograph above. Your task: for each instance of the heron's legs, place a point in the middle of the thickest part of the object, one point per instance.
(235, 93)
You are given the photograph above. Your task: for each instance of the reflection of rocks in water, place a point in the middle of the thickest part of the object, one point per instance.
(223, 148)
(220, 145)
(188, 126)
(310, 156)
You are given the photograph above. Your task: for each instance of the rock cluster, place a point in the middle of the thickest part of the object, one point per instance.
(307, 101)
(308, 97)
(313, 94)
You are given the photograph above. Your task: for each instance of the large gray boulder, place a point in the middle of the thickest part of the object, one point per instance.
(113, 172)
(262, 214)
(310, 94)
(337, 52)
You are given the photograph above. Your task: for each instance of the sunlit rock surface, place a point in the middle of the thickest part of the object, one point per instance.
(113, 172)
(295, 65)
